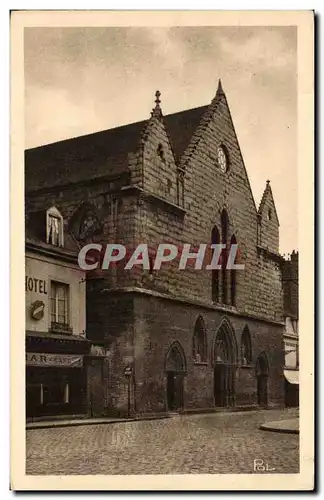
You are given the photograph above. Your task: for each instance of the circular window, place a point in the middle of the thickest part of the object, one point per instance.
(222, 159)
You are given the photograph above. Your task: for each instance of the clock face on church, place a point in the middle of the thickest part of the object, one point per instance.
(222, 159)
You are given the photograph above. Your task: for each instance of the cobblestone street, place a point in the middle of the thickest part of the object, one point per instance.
(196, 444)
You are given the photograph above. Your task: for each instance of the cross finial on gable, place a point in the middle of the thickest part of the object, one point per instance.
(157, 110)
(157, 100)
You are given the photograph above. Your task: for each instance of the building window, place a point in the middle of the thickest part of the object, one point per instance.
(215, 239)
(269, 214)
(246, 347)
(291, 357)
(54, 232)
(233, 276)
(259, 233)
(59, 304)
(160, 152)
(225, 224)
(199, 345)
(180, 188)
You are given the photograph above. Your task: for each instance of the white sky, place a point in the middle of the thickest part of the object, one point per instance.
(81, 80)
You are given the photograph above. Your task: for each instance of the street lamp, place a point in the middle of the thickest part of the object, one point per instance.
(128, 372)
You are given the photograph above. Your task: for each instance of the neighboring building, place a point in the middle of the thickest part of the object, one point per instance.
(291, 342)
(57, 351)
(175, 339)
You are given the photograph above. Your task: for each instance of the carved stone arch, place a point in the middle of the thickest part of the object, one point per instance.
(232, 227)
(215, 209)
(85, 221)
(175, 359)
(226, 334)
(224, 358)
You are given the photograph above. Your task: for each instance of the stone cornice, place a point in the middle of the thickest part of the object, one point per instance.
(154, 199)
(186, 300)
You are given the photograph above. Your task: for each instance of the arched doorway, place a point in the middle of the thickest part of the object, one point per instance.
(175, 367)
(224, 366)
(262, 375)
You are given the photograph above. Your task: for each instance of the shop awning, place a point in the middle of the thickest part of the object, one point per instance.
(292, 376)
(56, 336)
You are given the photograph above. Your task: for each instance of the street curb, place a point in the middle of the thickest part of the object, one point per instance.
(284, 430)
(53, 425)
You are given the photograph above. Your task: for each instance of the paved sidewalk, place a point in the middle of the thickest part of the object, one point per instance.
(290, 426)
(45, 424)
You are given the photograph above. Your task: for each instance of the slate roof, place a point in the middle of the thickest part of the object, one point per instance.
(102, 153)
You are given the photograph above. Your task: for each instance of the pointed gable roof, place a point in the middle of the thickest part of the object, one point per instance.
(102, 154)
(105, 154)
(181, 127)
(267, 197)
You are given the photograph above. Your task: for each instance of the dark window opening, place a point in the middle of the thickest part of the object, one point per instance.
(160, 152)
(233, 276)
(215, 239)
(225, 224)
(246, 347)
(199, 345)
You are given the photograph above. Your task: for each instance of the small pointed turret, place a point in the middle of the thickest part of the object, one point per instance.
(267, 199)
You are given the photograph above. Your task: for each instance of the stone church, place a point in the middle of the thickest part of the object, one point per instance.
(175, 340)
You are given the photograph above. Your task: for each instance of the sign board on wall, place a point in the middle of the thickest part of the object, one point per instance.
(35, 285)
(37, 309)
(57, 360)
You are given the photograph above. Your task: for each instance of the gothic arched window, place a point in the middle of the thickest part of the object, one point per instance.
(215, 239)
(233, 276)
(224, 224)
(199, 344)
(246, 347)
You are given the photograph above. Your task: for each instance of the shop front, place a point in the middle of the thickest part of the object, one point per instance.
(55, 384)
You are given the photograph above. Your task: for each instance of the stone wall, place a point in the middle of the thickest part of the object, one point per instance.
(147, 206)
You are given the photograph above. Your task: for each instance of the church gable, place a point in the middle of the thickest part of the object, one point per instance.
(215, 174)
(160, 173)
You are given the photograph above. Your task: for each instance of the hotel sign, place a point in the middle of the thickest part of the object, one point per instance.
(57, 360)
